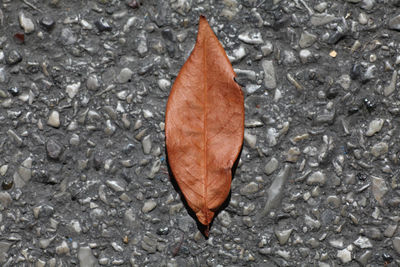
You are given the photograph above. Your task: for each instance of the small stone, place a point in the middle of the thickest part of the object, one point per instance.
(337, 243)
(394, 23)
(14, 91)
(149, 206)
(62, 249)
(86, 257)
(267, 48)
(13, 57)
(269, 74)
(251, 37)
(322, 19)
(316, 178)
(392, 85)
(276, 189)
(271, 166)
(116, 185)
(75, 226)
(47, 23)
(249, 189)
(374, 127)
(72, 89)
(146, 144)
(305, 56)
(164, 84)
(26, 23)
(307, 39)
(102, 25)
(362, 242)
(396, 244)
(181, 6)
(390, 230)
(67, 37)
(53, 149)
(92, 82)
(5, 199)
(365, 258)
(379, 188)
(379, 149)
(250, 139)
(374, 233)
(54, 119)
(344, 255)
(283, 235)
(142, 43)
(362, 18)
(4, 246)
(125, 75)
(293, 154)
(310, 222)
(238, 54)
(321, 7)
(224, 218)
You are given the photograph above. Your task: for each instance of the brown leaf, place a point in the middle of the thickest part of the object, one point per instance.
(204, 125)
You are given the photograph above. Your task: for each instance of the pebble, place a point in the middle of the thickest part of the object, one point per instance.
(224, 218)
(374, 127)
(379, 188)
(316, 178)
(146, 144)
(13, 57)
(86, 257)
(363, 242)
(53, 149)
(344, 255)
(24, 173)
(307, 39)
(125, 75)
(54, 119)
(238, 54)
(321, 7)
(5, 199)
(267, 48)
(305, 56)
(102, 25)
(26, 23)
(63, 248)
(322, 19)
(394, 23)
(149, 206)
(396, 244)
(283, 235)
(293, 154)
(92, 83)
(4, 246)
(249, 189)
(392, 85)
(379, 149)
(164, 84)
(250, 139)
(311, 223)
(47, 23)
(181, 6)
(275, 191)
(72, 89)
(269, 74)
(251, 37)
(67, 37)
(271, 166)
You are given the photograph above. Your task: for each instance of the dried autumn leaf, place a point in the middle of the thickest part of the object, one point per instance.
(204, 125)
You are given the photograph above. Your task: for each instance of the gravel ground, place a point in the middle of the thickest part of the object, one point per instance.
(83, 174)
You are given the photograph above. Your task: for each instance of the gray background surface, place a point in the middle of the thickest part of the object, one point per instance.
(83, 174)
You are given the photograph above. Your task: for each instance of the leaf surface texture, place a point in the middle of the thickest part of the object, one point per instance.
(204, 125)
